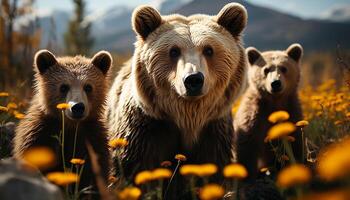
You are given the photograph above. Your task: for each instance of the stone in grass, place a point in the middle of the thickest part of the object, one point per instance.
(17, 182)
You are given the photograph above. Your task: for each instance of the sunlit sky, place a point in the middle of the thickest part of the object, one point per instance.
(302, 8)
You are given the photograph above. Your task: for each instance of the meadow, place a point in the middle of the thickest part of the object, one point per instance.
(325, 175)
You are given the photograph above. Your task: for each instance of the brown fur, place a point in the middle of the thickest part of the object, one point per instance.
(43, 120)
(251, 124)
(147, 104)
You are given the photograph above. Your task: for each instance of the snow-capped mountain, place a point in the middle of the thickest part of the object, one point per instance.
(338, 13)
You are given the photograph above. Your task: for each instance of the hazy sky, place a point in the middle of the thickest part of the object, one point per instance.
(302, 8)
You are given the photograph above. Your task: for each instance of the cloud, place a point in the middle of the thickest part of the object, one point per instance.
(337, 13)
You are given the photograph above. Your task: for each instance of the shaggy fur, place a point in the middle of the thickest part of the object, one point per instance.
(251, 124)
(43, 121)
(148, 105)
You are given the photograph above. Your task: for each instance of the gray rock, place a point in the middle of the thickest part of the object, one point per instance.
(19, 183)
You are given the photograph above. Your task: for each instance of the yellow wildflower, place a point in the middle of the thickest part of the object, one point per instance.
(161, 173)
(40, 157)
(211, 192)
(62, 106)
(143, 177)
(293, 175)
(207, 169)
(278, 116)
(112, 179)
(348, 114)
(264, 169)
(280, 130)
(118, 143)
(12, 105)
(19, 115)
(129, 193)
(302, 123)
(284, 158)
(165, 163)
(334, 162)
(62, 178)
(235, 170)
(4, 94)
(189, 170)
(180, 157)
(290, 138)
(4, 109)
(77, 161)
(338, 122)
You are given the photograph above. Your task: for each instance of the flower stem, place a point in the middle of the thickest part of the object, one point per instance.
(235, 188)
(75, 143)
(289, 150)
(303, 143)
(62, 145)
(172, 177)
(193, 189)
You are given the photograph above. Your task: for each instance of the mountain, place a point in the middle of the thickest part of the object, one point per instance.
(338, 14)
(267, 28)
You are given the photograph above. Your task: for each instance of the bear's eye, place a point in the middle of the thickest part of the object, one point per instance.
(87, 88)
(208, 51)
(64, 88)
(283, 70)
(266, 71)
(174, 52)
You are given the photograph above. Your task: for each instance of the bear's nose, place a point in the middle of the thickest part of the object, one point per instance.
(78, 110)
(276, 86)
(194, 83)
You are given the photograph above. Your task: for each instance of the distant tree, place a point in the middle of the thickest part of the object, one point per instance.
(77, 38)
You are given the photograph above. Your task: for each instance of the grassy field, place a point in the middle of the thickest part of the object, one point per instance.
(326, 131)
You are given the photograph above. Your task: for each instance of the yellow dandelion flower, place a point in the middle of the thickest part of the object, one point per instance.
(143, 177)
(62, 106)
(180, 157)
(118, 143)
(62, 178)
(4, 94)
(302, 123)
(166, 163)
(211, 192)
(278, 116)
(4, 109)
(338, 122)
(12, 105)
(319, 114)
(264, 169)
(284, 158)
(280, 130)
(207, 170)
(161, 173)
(334, 162)
(40, 157)
(19, 115)
(77, 161)
(316, 98)
(129, 193)
(347, 114)
(235, 170)
(189, 169)
(293, 175)
(112, 179)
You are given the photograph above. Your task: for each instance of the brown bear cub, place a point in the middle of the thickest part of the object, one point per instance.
(81, 83)
(175, 96)
(273, 83)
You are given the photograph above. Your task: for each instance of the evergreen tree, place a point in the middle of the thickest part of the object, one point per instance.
(77, 38)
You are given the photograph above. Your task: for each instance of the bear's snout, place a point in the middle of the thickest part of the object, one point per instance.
(194, 83)
(276, 86)
(78, 110)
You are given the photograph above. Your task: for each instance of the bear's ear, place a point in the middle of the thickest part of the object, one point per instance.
(103, 61)
(145, 20)
(43, 60)
(295, 51)
(233, 17)
(253, 55)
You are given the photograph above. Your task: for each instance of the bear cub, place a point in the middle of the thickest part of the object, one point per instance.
(81, 83)
(273, 78)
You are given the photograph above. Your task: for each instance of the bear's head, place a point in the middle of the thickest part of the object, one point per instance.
(188, 69)
(77, 81)
(275, 73)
